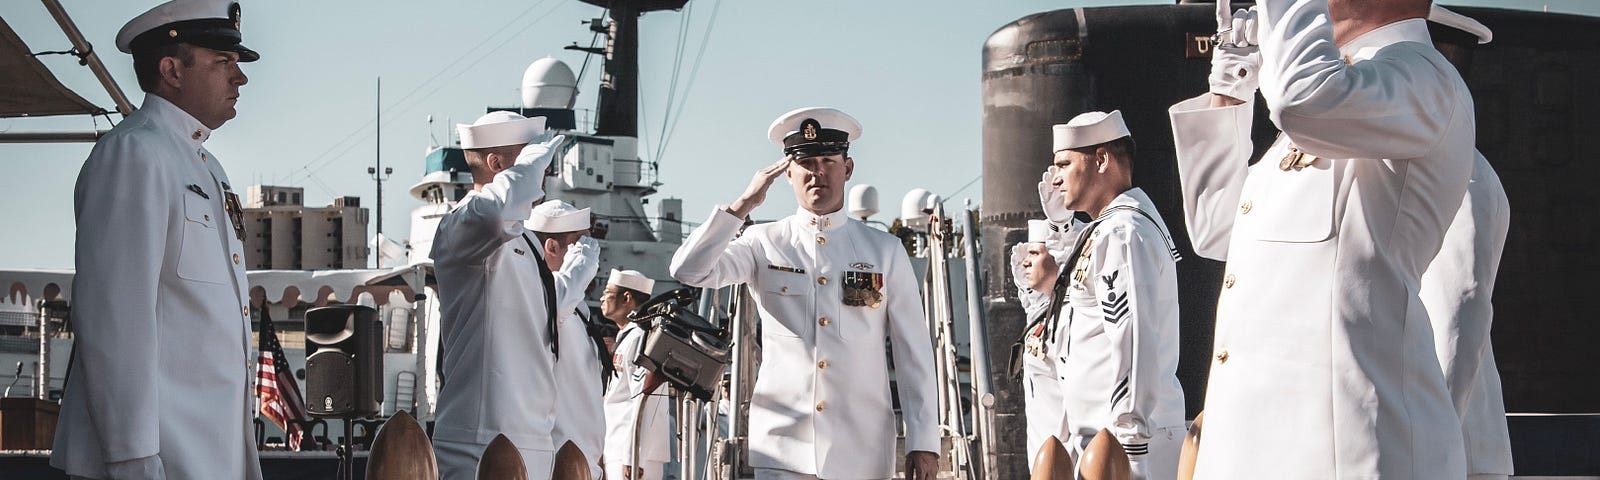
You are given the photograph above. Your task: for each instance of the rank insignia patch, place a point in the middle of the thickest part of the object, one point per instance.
(863, 289)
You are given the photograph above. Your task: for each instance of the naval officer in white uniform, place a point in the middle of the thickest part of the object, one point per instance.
(496, 340)
(1457, 288)
(574, 256)
(626, 291)
(160, 382)
(830, 290)
(1116, 303)
(1035, 264)
(1324, 363)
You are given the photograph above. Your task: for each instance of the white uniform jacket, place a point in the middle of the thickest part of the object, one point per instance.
(1456, 289)
(622, 407)
(580, 415)
(1118, 357)
(1323, 364)
(497, 368)
(1041, 386)
(163, 361)
(821, 403)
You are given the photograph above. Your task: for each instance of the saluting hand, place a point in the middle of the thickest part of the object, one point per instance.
(756, 193)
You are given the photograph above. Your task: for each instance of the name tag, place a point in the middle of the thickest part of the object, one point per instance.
(782, 268)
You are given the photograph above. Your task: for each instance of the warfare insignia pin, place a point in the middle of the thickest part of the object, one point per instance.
(808, 129)
(233, 14)
(861, 266)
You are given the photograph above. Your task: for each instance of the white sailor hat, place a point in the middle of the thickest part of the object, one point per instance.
(632, 280)
(212, 24)
(1450, 18)
(1088, 129)
(556, 216)
(1039, 231)
(498, 129)
(814, 131)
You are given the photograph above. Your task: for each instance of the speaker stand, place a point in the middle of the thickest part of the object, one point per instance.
(346, 451)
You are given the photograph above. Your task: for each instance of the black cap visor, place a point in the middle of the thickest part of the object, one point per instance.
(212, 33)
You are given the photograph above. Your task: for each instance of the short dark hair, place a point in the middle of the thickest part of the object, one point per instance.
(478, 158)
(147, 62)
(560, 237)
(1122, 148)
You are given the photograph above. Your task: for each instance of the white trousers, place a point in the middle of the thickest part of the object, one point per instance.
(776, 474)
(1161, 463)
(652, 471)
(459, 460)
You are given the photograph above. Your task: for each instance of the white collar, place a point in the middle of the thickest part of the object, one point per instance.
(1367, 45)
(821, 223)
(1133, 197)
(176, 119)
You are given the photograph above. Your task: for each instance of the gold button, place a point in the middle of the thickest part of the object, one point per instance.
(822, 365)
(1222, 356)
(196, 135)
(821, 406)
(1227, 281)
(784, 290)
(1245, 208)
(813, 221)
(207, 217)
(246, 310)
(822, 280)
(235, 259)
(822, 240)
(824, 321)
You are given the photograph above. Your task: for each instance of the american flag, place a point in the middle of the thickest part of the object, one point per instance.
(281, 400)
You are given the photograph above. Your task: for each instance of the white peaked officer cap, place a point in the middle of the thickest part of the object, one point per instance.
(1449, 18)
(814, 131)
(632, 280)
(498, 129)
(556, 216)
(212, 24)
(1088, 129)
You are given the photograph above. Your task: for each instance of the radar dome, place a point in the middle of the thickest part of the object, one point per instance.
(912, 205)
(863, 201)
(549, 83)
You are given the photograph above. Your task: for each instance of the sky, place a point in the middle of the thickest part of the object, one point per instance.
(910, 72)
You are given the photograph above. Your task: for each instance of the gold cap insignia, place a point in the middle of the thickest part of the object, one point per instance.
(809, 130)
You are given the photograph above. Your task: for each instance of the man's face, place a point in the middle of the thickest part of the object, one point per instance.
(819, 181)
(208, 87)
(615, 306)
(554, 254)
(1074, 178)
(1039, 268)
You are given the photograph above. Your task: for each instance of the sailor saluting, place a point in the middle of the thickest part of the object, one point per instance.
(830, 290)
(160, 278)
(1116, 302)
(574, 258)
(1324, 365)
(1035, 264)
(496, 293)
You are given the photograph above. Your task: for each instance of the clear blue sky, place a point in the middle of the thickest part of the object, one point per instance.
(910, 74)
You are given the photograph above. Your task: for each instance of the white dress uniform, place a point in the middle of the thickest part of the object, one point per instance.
(1118, 360)
(1324, 366)
(821, 402)
(622, 408)
(1041, 386)
(580, 416)
(162, 364)
(1456, 290)
(495, 341)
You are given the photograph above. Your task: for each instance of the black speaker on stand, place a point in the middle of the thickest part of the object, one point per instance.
(344, 369)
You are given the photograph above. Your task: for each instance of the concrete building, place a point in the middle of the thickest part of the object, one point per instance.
(283, 234)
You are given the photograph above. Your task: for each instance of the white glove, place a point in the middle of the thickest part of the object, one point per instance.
(586, 246)
(1050, 199)
(1019, 253)
(539, 155)
(1235, 58)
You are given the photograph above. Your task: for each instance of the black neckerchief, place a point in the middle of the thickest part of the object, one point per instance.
(549, 280)
(596, 334)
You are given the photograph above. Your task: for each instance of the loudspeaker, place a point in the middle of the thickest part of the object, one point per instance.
(344, 361)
